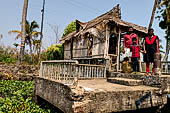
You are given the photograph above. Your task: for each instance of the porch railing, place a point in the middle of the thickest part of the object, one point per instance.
(69, 71)
(91, 71)
(165, 67)
(59, 70)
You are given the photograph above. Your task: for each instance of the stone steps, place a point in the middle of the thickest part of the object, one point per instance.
(125, 81)
(151, 80)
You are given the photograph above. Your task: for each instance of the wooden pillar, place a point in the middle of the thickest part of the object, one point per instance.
(41, 69)
(118, 51)
(108, 63)
(76, 76)
(107, 41)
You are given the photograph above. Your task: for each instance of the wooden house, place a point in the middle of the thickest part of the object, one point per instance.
(98, 41)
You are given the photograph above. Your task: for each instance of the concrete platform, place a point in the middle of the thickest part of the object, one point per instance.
(97, 96)
(103, 85)
(148, 80)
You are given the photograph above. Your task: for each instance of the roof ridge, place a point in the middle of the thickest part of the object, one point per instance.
(112, 11)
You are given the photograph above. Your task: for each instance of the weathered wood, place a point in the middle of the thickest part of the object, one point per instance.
(107, 40)
(118, 51)
(68, 72)
(67, 54)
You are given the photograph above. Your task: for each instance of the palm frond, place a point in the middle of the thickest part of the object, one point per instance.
(33, 26)
(164, 2)
(35, 33)
(18, 36)
(15, 32)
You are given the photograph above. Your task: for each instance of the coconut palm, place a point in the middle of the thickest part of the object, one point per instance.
(23, 30)
(153, 13)
(31, 34)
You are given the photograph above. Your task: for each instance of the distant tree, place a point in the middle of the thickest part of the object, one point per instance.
(70, 28)
(55, 52)
(31, 34)
(164, 17)
(1, 36)
(55, 30)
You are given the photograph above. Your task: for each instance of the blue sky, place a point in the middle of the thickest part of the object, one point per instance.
(62, 12)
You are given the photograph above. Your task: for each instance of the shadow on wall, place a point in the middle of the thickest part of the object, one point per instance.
(44, 104)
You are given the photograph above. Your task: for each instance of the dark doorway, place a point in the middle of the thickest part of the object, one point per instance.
(112, 44)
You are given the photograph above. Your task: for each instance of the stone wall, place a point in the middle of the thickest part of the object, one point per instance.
(107, 102)
(18, 72)
(55, 93)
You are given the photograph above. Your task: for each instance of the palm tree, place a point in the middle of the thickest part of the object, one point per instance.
(153, 13)
(166, 22)
(23, 30)
(31, 34)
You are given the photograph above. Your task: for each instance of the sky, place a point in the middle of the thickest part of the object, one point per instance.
(62, 12)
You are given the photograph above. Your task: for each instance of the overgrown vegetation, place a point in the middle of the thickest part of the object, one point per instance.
(16, 97)
(164, 18)
(8, 54)
(70, 28)
(55, 52)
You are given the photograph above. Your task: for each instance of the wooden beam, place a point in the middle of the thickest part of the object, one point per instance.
(107, 41)
(118, 51)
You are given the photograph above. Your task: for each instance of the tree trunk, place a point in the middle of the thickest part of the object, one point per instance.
(41, 36)
(153, 13)
(167, 47)
(167, 51)
(30, 50)
(23, 30)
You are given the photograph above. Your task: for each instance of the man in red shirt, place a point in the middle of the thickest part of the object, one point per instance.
(151, 46)
(127, 42)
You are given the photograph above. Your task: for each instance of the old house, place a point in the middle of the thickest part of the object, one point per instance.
(98, 41)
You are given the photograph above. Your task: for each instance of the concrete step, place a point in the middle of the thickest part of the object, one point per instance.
(125, 81)
(140, 76)
(148, 80)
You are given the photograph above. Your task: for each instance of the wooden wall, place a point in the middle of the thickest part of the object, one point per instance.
(81, 45)
(67, 52)
(79, 48)
(98, 48)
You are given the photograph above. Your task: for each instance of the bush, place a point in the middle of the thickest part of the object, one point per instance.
(55, 52)
(8, 55)
(70, 28)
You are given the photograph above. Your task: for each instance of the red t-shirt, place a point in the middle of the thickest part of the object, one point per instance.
(127, 39)
(135, 51)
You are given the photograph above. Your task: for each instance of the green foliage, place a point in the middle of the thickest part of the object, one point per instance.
(70, 28)
(164, 16)
(31, 38)
(16, 97)
(8, 55)
(55, 52)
